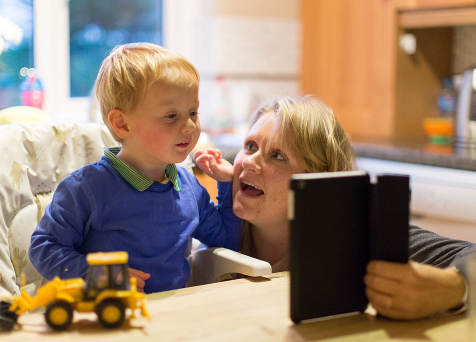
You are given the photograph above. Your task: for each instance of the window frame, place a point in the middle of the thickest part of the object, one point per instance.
(51, 56)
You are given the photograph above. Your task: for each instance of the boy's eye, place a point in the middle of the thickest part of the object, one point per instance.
(170, 116)
(193, 113)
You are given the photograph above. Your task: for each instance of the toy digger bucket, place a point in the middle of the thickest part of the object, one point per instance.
(143, 309)
(135, 297)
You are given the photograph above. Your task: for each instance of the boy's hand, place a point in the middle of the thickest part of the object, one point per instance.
(212, 163)
(140, 276)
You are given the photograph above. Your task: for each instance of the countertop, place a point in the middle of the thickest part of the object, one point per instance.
(406, 150)
(416, 151)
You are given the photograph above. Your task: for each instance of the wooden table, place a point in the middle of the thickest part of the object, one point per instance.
(254, 309)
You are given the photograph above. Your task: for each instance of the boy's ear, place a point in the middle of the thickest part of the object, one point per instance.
(118, 121)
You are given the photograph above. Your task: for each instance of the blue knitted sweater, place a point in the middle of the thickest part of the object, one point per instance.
(95, 209)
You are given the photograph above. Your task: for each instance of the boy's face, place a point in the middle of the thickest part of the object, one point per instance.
(165, 126)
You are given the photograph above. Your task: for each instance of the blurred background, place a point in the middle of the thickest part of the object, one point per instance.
(392, 70)
(383, 76)
(245, 51)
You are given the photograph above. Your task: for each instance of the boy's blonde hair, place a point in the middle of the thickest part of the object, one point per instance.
(308, 127)
(129, 70)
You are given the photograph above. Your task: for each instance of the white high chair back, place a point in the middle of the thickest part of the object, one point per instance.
(35, 158)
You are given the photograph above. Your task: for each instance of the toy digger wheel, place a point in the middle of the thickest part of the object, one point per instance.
(7, 318)
(111, 313)
(59, 315)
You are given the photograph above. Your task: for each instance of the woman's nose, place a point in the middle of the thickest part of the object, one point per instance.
(252, 163)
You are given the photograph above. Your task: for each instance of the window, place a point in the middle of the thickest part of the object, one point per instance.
(96, 27)
(66, 40)
(85, 31)
(16, 48)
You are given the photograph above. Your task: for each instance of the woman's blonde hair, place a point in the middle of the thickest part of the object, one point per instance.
(129, 70)
(308, 127)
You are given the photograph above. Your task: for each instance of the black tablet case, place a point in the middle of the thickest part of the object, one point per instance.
(340, 221)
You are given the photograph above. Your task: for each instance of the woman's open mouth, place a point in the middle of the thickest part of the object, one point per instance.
(250, 189)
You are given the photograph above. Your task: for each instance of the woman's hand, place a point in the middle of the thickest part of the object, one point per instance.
(212, 163)
(412, 290)
(140, 276)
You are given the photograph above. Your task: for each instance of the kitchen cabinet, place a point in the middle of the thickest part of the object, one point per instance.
(441, 198)
(438, 17)
(431, 4)
(352, 60)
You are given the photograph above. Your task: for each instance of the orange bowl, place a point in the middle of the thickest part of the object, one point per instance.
(438, 126)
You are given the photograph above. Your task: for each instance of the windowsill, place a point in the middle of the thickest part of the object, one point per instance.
(73, 110)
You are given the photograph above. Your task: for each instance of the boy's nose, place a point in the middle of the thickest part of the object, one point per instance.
(189, 126)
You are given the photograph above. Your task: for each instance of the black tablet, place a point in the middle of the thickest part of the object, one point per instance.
(339, 221)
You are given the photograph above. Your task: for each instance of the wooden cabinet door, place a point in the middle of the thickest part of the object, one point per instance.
(426, 4)
(349, 60)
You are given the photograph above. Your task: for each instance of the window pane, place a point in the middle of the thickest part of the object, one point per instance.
(97, 26)
(16, 48)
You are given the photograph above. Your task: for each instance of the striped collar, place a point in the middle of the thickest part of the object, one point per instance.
(134, 177)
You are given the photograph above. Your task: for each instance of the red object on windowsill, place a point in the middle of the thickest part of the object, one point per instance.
(31, 92)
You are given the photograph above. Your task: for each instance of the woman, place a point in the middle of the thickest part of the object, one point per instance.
(289, 136)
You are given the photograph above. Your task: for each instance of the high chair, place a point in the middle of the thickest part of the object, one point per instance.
(35, 158)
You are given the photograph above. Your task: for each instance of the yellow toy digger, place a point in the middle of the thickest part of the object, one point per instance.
(107, 291)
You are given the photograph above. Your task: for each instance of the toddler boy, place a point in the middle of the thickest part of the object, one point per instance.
(135, 199)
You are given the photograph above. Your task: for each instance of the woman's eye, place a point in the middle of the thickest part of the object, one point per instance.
(249, 145)
(276, 155)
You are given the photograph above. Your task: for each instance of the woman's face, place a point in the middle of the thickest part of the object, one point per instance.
(261, 177)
